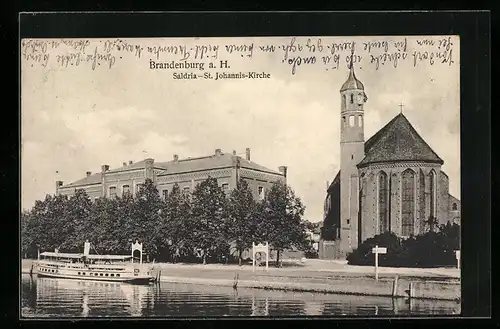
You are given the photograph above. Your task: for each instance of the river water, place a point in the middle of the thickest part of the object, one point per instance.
(63, 298)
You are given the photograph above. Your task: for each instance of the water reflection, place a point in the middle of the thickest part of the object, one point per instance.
(49, 297)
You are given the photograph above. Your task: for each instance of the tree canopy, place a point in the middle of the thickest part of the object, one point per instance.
(207, 225)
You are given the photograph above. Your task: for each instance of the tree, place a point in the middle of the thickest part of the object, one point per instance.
(209, 214)
(77, 212)
(145, 222)
(242, 217)
(28, 234)
(49, 220)
(282, 222)
(177, 224)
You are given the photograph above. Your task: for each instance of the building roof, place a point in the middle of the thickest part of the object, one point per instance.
(398, 141)
(335, 181)
(224, 160)
(89, 180)
(352, 82)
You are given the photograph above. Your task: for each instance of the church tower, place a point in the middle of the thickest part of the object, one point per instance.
(352, 141)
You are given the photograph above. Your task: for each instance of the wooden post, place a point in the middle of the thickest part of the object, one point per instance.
(411, 293)
(267, 257)
(395, 286)
(457, 255)
(253, 256)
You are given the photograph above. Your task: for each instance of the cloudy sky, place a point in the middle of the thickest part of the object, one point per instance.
(75, 118)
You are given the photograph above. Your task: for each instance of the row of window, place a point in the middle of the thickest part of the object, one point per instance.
(360, 99)
(352, 121)
(47, 270)
(125, 190)
(186, 189)
(79, 273)
(407, 201)
(99, 274)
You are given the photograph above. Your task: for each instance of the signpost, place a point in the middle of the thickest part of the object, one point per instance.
(457, 255)
(378, 250)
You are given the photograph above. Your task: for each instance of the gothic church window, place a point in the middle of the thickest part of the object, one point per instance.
(454, 206)
(343, 102)
(360, 120)
(408, 202)
(343, 121)
(432, 192)
(383, 202)
(352, 98)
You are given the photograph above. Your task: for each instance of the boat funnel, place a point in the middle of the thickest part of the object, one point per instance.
(86, 248)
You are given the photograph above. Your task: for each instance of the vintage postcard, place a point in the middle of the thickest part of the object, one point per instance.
(242, 176)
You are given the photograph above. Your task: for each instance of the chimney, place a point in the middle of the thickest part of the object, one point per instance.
(104, 168)
(248, 154)
(148, 168)
(58, 185)
(130, 162)
(283, 170)
(124, 164)
(218, 152)
(176, 158)
(88, 173)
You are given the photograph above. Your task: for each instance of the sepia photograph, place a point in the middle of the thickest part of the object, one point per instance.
(240, 177)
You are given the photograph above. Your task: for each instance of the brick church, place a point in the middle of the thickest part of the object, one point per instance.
(391, 182)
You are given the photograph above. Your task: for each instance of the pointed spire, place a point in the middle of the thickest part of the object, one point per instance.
(351, 66)
(352, 82)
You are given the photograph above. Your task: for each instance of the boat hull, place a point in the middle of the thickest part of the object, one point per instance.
(108, 273)
(134, 280)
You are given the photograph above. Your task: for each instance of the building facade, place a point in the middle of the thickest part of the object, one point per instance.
(187, 173)
(391, 182)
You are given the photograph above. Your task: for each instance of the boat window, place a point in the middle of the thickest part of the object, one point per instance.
(79, 273)
(83, 273)
(106, 274)
(101, 274)
(117, 274)
(112, 274)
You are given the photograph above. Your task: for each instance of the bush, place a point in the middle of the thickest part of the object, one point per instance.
(431, 249)
(364, 256)
(311, 254)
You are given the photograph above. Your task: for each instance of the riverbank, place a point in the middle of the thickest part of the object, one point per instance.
(318, 276)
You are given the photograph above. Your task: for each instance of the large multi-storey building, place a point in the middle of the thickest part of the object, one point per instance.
(187, 173)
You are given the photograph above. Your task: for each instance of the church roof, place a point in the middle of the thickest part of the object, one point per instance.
(352, 82)
(224, 160)
(398, 141)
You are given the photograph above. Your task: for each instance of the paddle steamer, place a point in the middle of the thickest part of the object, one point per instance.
(86, 266)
